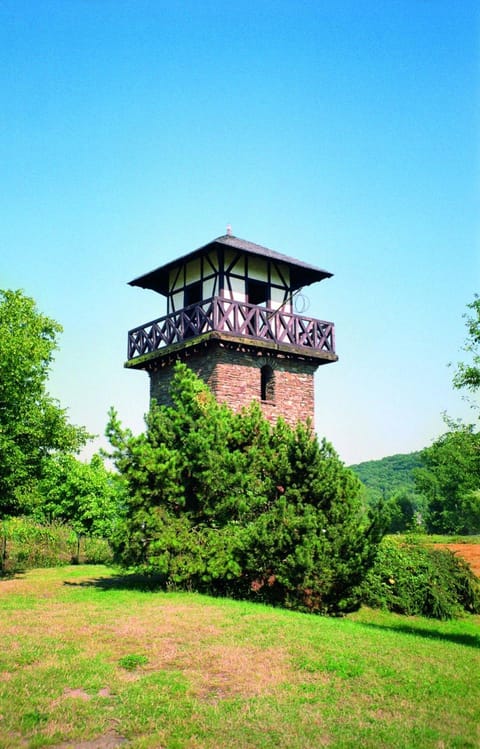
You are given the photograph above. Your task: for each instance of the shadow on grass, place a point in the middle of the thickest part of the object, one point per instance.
(142, 583)
(11, 575)
(459, 638)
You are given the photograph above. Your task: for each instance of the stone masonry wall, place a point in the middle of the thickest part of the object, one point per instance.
(234, 377)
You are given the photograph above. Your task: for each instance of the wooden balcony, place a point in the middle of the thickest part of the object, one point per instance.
(228, 319)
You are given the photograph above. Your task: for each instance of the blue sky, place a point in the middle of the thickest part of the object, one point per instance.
(345, 134)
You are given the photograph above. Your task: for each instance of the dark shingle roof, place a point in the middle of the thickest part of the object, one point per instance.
(301, 274)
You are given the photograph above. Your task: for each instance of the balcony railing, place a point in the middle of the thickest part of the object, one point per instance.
(234, 318)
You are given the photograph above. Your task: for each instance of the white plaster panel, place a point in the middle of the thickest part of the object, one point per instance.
(193, 271)
(208, 288)
(239, 267)
(276, 300)
(176, 283)
(238, 289)
(257, 269)
(276, 278)
(213, 258)
(177, 301)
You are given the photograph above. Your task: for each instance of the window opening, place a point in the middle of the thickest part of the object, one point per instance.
(267, 383)
(257, 292)
(193, 293)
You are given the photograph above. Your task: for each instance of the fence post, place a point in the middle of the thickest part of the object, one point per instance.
(3, 558)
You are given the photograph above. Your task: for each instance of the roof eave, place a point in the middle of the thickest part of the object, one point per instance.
(304, 273)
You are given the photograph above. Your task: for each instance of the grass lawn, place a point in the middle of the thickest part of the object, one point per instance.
(88, 660)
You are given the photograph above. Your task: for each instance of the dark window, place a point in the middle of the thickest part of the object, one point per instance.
(193, 293)
(267, 383)
(257, 292)
(192, 296)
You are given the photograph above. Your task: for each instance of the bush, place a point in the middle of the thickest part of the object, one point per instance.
(94, 550)
(414, 579)
(25, 544)
(228, 504)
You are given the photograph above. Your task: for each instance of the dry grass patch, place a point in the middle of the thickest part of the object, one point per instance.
(185, 639)
(222, 672)
(107, 741)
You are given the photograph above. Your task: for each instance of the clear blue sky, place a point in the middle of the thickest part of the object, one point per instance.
(345, 134)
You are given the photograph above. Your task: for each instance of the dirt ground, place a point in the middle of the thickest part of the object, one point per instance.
(469, 552)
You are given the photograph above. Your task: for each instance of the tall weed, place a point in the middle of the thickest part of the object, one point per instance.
(25, 544)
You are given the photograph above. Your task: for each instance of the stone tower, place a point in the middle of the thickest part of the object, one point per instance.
(230, 318)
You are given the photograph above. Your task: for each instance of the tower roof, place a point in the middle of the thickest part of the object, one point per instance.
(301, 274)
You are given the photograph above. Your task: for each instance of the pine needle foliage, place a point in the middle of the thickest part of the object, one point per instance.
(229, 504)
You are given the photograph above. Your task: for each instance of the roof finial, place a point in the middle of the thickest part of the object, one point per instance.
(229, 230)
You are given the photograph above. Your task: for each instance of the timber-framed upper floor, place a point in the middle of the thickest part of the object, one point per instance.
(236, 291)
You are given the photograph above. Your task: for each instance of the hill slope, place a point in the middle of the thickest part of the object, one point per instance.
(135, 668)
(385, 477)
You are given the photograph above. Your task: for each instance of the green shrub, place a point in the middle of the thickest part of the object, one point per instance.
(414, 579)
(25, 544)
(228, 504)
(94, 550)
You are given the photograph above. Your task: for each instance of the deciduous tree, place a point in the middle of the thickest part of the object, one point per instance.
(32, 423)
(467, 375)
(450, 479)
(86, 496)
(450, 476)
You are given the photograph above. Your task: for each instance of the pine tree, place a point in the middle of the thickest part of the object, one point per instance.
(227, 503)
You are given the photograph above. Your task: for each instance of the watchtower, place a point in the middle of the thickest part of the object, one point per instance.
(230, 317)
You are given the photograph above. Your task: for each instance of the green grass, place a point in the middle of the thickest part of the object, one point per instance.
(88, 656)
(439, 539)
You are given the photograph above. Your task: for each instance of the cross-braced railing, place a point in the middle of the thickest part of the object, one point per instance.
(231, 317)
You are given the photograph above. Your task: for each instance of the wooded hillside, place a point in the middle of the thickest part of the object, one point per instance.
(388, 476)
